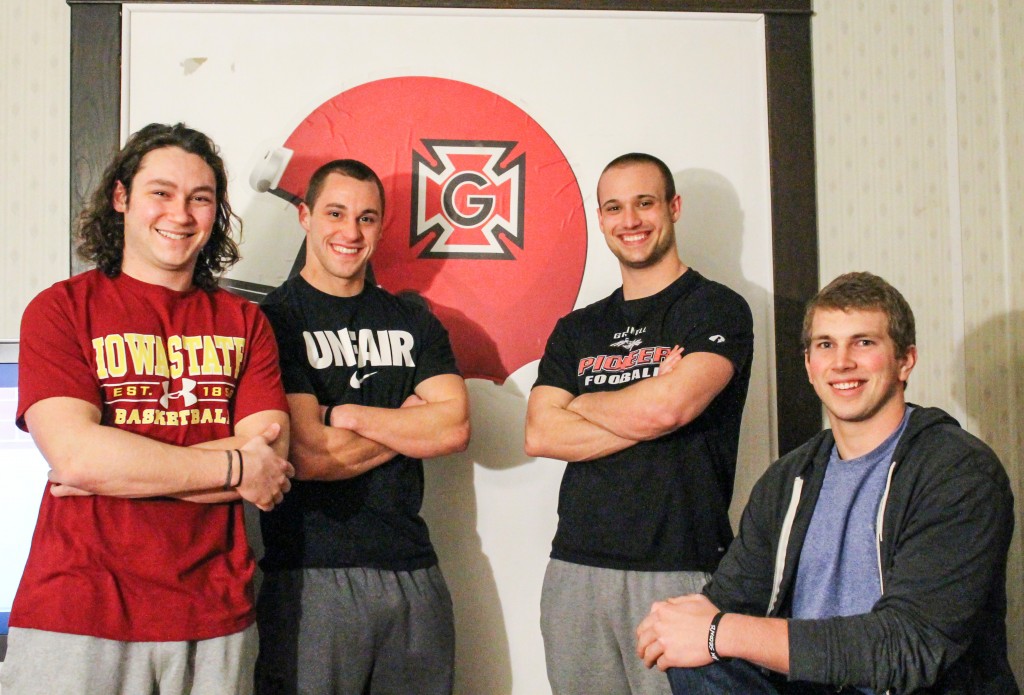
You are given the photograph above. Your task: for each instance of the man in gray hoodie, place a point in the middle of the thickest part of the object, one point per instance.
(870, 559)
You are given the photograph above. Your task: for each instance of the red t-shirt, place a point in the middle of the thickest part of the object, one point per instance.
(179, 367)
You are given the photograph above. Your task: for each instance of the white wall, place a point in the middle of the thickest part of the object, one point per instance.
(920, 177)
(491, 511)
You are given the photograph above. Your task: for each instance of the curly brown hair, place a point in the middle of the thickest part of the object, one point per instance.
(99, 230)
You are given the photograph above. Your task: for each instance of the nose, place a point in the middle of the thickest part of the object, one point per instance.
(181, 210)
(348, 228)
(630, 218)
(844, 358)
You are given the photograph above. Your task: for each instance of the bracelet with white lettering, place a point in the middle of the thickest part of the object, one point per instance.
(227, 480)
(712, 633)
(327, 415)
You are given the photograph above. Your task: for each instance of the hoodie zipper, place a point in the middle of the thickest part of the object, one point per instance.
(879, 521)
(780, 554)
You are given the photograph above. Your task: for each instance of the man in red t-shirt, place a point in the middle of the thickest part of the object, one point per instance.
(157, 401)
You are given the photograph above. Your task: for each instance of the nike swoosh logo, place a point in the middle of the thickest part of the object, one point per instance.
(355, 382)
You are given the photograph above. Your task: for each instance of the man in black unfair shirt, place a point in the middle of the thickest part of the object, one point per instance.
(353, 600)
(642, 394)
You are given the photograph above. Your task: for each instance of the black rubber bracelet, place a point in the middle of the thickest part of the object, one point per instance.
(227, 479)
(241, 468)
(712, 633)
(327, 415)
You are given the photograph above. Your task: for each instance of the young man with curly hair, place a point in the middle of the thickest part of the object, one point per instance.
(157, 401)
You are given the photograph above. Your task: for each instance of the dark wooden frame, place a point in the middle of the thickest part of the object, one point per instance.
(96, 130)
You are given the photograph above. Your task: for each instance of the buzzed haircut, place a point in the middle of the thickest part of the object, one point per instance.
(865, 292)
(352, 168)
(643, 158)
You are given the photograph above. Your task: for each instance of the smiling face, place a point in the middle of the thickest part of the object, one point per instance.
(637, 220)
(852, 363)
(168, 216)
(342, 232)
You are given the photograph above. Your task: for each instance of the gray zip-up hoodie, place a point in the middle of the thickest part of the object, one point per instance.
(943, 532)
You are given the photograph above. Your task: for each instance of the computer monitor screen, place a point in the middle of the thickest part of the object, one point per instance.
(22, 483)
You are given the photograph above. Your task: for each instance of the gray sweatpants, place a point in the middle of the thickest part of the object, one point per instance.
(355, 631)
(39, 662)
(588, 617)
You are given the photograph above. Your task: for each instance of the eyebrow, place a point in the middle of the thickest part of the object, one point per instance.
(856, 336)
(171, 184)
(635, 197)
(340, 206)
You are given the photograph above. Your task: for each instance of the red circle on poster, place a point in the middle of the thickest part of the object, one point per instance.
(483, 214)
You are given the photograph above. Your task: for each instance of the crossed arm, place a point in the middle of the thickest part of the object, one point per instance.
(87, 457)
(594, 425)
(433, 422)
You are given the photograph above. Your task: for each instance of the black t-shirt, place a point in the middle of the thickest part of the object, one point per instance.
(660, 505)
(372, 349)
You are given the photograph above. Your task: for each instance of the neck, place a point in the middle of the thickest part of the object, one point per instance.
(177, 280)
(638, 283)
(855, 439)
(329, 284)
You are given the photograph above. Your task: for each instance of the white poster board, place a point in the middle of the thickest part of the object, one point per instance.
(689, 88)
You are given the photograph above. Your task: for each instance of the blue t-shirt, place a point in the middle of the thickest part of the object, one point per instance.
(838, 570)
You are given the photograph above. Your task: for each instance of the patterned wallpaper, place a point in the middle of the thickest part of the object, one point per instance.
(884, 167)
(920, 137)
(34, 103)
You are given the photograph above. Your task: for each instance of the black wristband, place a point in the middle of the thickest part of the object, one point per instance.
(241, 469)
(712, 634)
(327, 415)
(227, 479)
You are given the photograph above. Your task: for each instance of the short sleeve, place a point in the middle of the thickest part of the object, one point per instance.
(290, 348)
(724, 326)
(52, 360)
(436, 356)
(259, 386)
(558, 364)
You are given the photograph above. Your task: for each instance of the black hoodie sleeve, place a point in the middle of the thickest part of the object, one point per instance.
(941, 617)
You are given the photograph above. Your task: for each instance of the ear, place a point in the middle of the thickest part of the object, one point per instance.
(807, 365)
(304, 213)
(907, 363)
(120, 197)
(675, 206)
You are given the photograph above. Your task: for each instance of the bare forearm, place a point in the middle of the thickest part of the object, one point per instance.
(212, 497)
(86, 457)
(625, 413)
(280, 445)
(558, 434)
(656, 406)
(336, 454)
(322, 452)
(422, 431)
(237, 470)
(107, 461)
(762, 641)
